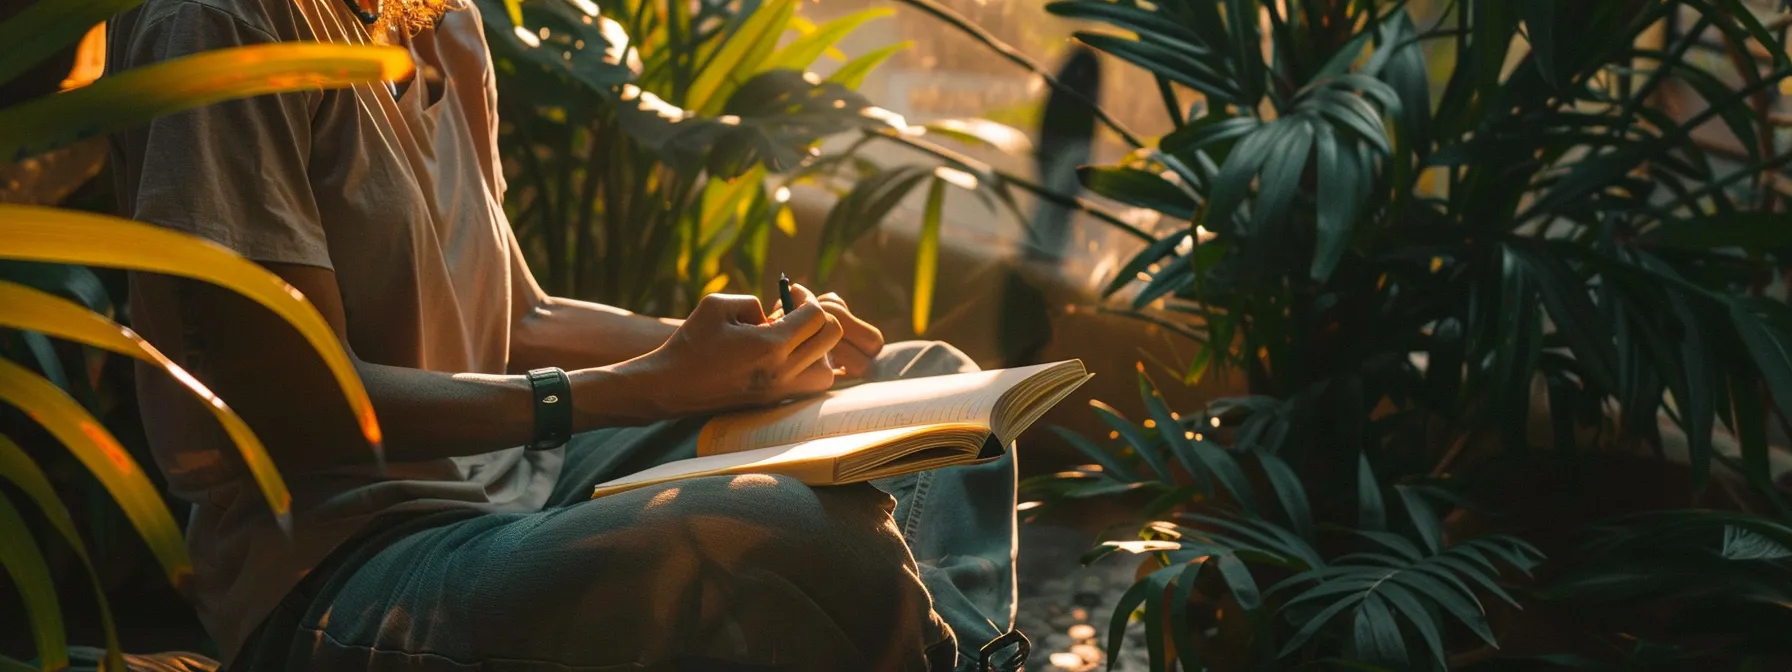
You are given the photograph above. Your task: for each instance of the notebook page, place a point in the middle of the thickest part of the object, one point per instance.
(957, 398)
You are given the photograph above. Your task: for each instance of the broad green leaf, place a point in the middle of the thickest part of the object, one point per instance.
(1101, 456)
(802, 52)
(1289, 491)
(1769, 350)
(927, 255)
(41, 29)
(1232, 186)
(17, 467)
(870, 200)
(1377, 635)
(1152, 253)
(1339, 189)
(1465, 611)
(1280, 181)
(1239, 580)
(65, 236)
(853, 72)
(31, 309)
(1130, 600)
(1131, 434)
(119, 101)
(739, 57)
(1151, 26)
(1461, 568)
(43, 353)
(1420, 618)
(1247, 57)
(1312, 625)
(110, 463)
(590, 52)
(75, 283)
(1372, 515)
(1424, 519)
(1167, 63)
(1181, 631)
(1351, 113)
(1392, 542)
(1138, 188)
(1206, 132)
(24, 562)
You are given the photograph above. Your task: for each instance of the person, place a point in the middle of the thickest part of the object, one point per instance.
(475, 544)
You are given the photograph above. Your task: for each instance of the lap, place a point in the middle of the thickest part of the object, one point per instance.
(725, 568)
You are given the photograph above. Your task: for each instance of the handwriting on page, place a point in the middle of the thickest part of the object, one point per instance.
(964, 397)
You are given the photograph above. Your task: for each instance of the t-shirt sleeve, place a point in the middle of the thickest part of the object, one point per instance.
(235, 171)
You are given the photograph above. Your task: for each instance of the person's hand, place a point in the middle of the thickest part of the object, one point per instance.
(727, 354)
(860, 342)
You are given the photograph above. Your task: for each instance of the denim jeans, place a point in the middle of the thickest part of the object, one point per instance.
(748, 573)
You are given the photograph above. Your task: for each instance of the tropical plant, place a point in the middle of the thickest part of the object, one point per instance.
(1395, 266)
(1382, 591)
(652, 146)
(44, 298)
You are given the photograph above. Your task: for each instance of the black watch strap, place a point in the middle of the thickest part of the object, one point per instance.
(553, 407)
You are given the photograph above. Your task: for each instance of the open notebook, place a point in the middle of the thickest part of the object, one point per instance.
(874, 430)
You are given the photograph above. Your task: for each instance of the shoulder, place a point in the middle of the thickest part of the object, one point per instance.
(209, 24)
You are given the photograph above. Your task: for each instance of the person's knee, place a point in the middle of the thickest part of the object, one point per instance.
(919, 359)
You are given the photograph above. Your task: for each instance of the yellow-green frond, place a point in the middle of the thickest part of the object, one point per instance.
(135, 96)
(802, 52)
(25, 564)
(17, 467)
(27, 308)
(65, 236)
(95, 447)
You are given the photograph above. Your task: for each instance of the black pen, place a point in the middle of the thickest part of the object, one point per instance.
(784, 294)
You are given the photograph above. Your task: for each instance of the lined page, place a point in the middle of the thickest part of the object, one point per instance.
(957, 398)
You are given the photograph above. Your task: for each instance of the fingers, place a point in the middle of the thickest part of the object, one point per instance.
(733, 307)
(859, 333)
(851, 361)
(815, 347)
(801, 325)
(816, 377)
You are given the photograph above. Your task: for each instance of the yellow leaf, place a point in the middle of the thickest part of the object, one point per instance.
(64, 236)
(927, 255)
(25, 564)
(802, 52)
(716, 284)
(52, 408)
(27, 308)
(17, 467)
(135, 96)
(739, 56)
(853, 72)
(786, 221)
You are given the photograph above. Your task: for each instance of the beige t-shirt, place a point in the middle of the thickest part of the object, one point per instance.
(400, 195)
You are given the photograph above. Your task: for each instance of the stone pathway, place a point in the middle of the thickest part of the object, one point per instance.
(1065, 607)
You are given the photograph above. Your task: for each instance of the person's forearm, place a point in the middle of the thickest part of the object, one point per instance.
(576, 334)
(428, 414)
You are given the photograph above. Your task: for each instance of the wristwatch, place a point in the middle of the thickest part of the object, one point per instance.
(553, 408)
